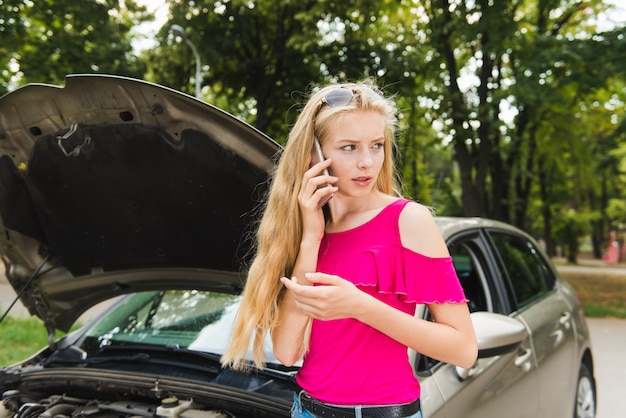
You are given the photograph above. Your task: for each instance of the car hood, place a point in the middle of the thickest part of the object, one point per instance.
(111, 185)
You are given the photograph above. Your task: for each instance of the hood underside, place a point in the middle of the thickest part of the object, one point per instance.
(109, 176)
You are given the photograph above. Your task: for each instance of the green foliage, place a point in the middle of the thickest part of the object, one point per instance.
(250, 56)
(616, 211)
(12, 33)
(264, 57)
(594, 310)
(509, 109)
(602, 295)
(527, 125)
(52, 38)
(21, 338)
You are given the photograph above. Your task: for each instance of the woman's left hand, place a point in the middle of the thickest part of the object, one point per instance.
(337, 299)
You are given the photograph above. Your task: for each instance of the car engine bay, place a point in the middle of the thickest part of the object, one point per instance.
(59, 406)
(85, 393)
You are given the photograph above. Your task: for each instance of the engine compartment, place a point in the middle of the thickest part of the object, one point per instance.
(60, 406)
(92, 393)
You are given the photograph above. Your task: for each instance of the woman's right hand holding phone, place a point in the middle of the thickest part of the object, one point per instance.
(316, 190)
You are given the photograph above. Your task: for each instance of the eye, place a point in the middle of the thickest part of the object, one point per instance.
(350, 147)
(378, 145)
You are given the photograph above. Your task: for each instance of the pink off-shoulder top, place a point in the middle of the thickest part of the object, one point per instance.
(348, 362)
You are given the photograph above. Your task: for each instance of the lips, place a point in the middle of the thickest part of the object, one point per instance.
(362, 181)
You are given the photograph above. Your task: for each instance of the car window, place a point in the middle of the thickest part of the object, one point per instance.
(470, 276)
(528, 273)
(191, 319)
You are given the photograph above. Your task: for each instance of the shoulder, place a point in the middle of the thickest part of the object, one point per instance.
(414, 213)
(419, 232)
(413, 208)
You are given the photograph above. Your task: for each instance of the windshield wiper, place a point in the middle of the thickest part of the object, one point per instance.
(169, 355)
(138, 353)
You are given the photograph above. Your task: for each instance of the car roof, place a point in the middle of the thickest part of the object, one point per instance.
(450, 226)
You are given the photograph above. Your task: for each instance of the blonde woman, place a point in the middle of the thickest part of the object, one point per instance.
(336, 284)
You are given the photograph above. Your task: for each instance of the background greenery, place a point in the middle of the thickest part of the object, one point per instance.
(602, 295)
(510, 109)
(22, 337)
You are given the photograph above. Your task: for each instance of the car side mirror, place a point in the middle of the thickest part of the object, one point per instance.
(496, 334)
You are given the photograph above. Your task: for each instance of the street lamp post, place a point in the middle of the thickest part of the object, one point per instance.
(180, 31)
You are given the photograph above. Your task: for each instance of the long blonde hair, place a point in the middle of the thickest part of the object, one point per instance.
(280, 229)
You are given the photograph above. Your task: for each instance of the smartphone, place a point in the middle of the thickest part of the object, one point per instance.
(316, 157)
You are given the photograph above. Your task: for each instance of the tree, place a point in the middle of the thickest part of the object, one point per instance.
(53, 38)
(12, 33)
(261, 57)
(254, 54)
(508, 109)
(524, 59)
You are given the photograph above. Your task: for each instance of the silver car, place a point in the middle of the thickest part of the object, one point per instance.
(116, 188)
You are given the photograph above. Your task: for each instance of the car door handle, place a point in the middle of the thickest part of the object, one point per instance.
(522, 359)
(565, 319)
(463, 373)
(557, 337)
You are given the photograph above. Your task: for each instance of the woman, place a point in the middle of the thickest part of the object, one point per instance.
(337, 286)
(612, 255)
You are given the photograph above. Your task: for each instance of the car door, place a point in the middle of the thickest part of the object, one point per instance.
(501, 385)
(542, 307)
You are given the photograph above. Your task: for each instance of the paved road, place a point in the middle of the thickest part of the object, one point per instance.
(608, 338)
(568, 268)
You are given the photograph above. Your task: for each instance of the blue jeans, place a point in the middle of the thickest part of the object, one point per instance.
(297, 411)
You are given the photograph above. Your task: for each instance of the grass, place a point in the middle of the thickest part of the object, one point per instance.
(602, 295)
(21, 338)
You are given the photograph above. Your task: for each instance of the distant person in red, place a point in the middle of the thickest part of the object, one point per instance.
(612, 253)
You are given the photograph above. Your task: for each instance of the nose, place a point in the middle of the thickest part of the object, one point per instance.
(365, 159)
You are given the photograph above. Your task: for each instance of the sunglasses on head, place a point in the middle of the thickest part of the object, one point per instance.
(342, 96)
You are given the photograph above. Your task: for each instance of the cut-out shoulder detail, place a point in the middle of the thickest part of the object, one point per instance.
(419, 232)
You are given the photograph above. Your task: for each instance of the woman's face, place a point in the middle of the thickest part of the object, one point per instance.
(356, 147)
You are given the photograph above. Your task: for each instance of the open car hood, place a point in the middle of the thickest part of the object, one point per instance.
(111, 185)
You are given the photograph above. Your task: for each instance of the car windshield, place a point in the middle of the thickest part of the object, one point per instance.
(185, 319)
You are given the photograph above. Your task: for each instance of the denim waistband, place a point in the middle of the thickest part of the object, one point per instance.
(324, 410)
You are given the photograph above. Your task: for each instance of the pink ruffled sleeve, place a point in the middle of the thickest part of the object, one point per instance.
(413, 277)
(430, 280)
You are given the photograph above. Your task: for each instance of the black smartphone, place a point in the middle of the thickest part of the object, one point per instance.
(316, 157)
